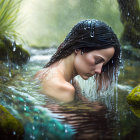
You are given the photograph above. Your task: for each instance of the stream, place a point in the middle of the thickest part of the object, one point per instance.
(107, 116)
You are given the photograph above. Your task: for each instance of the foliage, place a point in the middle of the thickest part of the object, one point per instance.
(8, 14)
(9, 50)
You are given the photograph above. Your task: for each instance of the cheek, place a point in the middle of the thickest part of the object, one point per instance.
(83, 63)
(80, 64)
(89, 60)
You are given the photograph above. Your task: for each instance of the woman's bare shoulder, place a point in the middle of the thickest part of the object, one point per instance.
(41, 74)
(58, 88)
(65, 86)
(58, 84)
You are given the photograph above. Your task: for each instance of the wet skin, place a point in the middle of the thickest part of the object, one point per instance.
(55, 80)
(91, 63)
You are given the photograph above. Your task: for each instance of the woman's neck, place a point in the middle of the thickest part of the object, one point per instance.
(66, 67)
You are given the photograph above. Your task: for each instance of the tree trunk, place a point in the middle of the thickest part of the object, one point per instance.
(130, 17)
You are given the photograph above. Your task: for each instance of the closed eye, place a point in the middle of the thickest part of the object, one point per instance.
(99, 60)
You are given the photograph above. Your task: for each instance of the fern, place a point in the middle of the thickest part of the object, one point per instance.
(8, 14)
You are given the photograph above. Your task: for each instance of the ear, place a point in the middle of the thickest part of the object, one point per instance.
(76, 51)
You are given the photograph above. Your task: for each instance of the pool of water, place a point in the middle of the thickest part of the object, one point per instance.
(105, 116)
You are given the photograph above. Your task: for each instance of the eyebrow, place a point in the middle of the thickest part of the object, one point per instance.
(100, 58)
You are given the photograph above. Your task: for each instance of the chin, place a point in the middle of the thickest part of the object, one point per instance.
(85, 77)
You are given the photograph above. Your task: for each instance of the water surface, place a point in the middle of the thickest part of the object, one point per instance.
(104, 116)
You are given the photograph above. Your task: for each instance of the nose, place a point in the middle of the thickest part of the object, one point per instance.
(98, 68)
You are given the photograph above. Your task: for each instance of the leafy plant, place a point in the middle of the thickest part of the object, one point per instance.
(10, 51)
(8, 14)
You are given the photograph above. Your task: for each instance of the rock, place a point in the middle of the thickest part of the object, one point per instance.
(10, 128)
(131, 53)
(136, 111)
(134, 97)
(10, 51)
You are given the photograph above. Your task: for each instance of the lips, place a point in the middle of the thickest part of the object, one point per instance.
(89, 75)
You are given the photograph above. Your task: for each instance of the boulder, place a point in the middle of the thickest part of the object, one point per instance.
(10, 127)
(134, 97)
(13, 52)
(130, 53)
(136, 111)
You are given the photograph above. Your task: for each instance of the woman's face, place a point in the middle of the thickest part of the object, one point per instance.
(88, 64)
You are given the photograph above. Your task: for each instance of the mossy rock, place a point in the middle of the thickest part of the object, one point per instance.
(134, 97)
(136, 111)
(10, 128)
(10, 51)
(131, 53)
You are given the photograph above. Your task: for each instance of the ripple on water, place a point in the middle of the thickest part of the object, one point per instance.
(45, 119)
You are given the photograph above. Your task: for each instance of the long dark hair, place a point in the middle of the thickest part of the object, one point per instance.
(89, 35)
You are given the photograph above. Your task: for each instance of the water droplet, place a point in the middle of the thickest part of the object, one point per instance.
(14, 46)
(13, 96)
(10, 75)
(92, 34)
(42, 134)
(32, 137)
(85, 27)
(33, 127)
(66, 131)
(119, 133)
(112, 61)
(17, 67)
(14, 133)
(89, 24)
(36, 117)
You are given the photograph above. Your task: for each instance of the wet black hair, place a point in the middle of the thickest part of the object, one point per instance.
(89, 35)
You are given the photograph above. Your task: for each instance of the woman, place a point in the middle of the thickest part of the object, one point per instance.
(91, 48)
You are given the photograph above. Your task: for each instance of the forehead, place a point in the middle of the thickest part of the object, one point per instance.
(104, 53)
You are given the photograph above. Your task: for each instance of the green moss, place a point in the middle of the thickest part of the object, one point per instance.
(129, 17)
(136, 111)
(10, 51)
(134, 97)
(9, 126)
